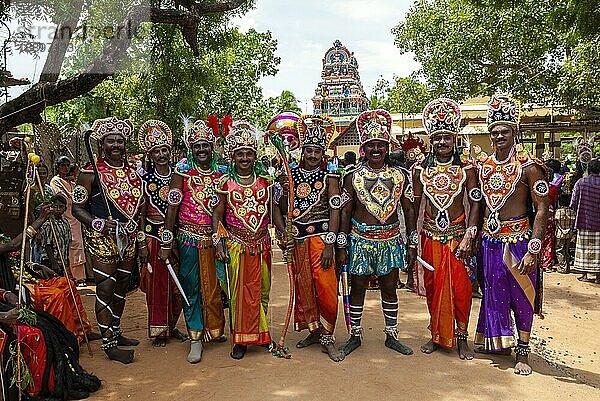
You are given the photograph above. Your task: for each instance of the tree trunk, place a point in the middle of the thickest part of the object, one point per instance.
(27, 107)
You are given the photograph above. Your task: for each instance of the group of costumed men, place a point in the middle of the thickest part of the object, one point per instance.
(202, 232)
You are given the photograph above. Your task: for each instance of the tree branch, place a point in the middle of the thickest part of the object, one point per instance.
(27, 107)
(60, 44)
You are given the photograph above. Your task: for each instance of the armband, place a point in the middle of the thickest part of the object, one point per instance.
(540, 188)
(475, 194)
(141, 236)
(174, 197)
(330, 238)
(335, 202)
(342, 240)
(98, 225)
(215, 239)
(535, 246)
(80, 195)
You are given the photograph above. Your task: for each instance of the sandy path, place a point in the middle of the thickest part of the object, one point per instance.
(373, 371)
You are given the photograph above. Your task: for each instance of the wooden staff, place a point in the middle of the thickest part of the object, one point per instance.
(21, 264)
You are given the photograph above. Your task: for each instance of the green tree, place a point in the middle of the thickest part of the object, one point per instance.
(221, 80)
(467, 49)
(536, 50)
(407, 95)
(106, 36)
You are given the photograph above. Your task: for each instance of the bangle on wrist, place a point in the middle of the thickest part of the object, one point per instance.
(98, 225)
(472, 231)
(413, 239)
(341, 240)
(166, 236)
(30, 232)
(215, 239)
(535, 246)
(330, 238)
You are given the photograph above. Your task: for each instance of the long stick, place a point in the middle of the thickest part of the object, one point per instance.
(21, 264)
(68, 272)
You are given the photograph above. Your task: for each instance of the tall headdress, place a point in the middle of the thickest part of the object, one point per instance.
(374, 125)
(315, 130)
(198, 131)
(286, 124)
(154, 133)
(242, 135)
(112, 125)
(441, 116)
(502, 109)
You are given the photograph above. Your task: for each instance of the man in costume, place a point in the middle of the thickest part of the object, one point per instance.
(108, 206)
(244, 201)
(191, 199)
(443, 179)
(316, 217)
(162, 297)
(370, 198)
(511, 182)
(60, 184)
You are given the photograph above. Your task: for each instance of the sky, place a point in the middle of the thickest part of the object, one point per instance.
(305, 30)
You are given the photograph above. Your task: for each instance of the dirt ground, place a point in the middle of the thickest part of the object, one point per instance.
(565, 360)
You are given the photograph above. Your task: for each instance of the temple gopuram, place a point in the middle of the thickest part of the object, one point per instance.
(340, 93)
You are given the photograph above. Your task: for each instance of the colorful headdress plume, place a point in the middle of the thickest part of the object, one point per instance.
(502, 109)
(198, 131)
(315, 130)
(441, 115)
(112, 125)
(243, 135)
(154, 133)
(374, 125)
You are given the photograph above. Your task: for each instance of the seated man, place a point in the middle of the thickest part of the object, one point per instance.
(48, 292)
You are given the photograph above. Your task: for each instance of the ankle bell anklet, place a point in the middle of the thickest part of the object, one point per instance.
(356, 331)
(108, 344)
(522, 350)
(327, 339)
(461, 335)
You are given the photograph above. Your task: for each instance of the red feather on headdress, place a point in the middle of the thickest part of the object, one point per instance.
(213, 123)
(227, 122)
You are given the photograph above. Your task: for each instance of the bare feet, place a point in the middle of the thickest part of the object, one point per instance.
(313, 338)
(334, 354)
(124, 356)
(522, 366)
(352, 344)
(238, 351)
(429, 347)
(396, 345)
(481, 350)
(464, 352)
(123, 341)
(159, 342)
(585, 278)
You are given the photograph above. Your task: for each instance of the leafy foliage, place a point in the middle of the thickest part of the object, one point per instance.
(407, 95)
(467, 49)
(221, 80)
